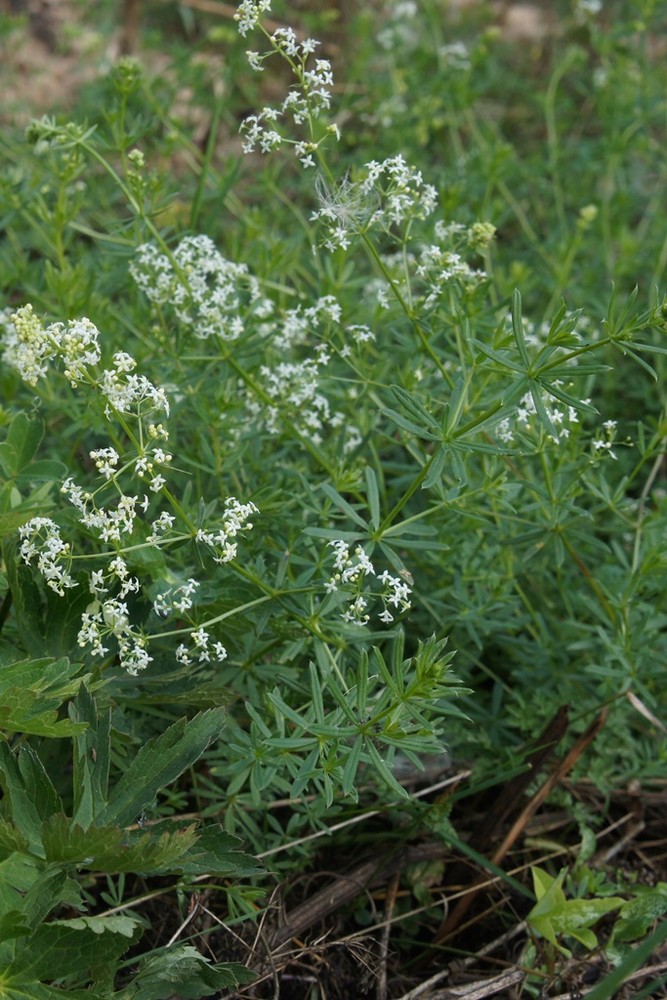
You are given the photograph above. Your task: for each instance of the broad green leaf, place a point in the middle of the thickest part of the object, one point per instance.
(113, 850)
(44, 895)
(638, 914)
(72, 947)
(31, 694)
(24, 437)
(555, 915)
(218, 853)
(184, 972)
(29, 791)
(19, 988)
(159, 762)
(11, 839)
(13, 924)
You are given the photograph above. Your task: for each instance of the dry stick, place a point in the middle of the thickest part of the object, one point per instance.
(538, 757)
(392, 890)
(347, 887)
(450, 925)
(482, 988)
(644, 973)
(194, 910)
(129, 34)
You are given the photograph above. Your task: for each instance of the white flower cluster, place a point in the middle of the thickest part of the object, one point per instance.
(235, 519)
(110, 618)
(305, 101)
(562, 418)
(176, 598)
(41, 541)
(455, 56)
(295, 325)
(438, 267)
(603, 445)
(291, 390)
(439, 264)
(208, 293)
(295, 392)
(201, 649)
(399, 33)
(390, 193)
(126, 391)
(249, 13)
(349, 572)
(28, 346)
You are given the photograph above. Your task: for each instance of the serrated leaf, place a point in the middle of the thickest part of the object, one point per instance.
(29, 790)
(218, 853)
(184, 972)
(157, 851)
(31, 694)
(72, 947)
(159, 762)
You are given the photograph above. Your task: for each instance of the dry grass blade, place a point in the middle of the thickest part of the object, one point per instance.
(482, 988)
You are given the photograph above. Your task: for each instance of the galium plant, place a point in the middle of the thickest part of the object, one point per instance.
(289, 468)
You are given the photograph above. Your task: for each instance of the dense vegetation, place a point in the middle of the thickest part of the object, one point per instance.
(331, 476)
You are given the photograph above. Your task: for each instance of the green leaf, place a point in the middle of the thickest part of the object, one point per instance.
(23, 439)
(410, 425)
(517, 328)
(554, 915)
(13, 924)
(159, 762)
(218, 853)
(435, 469)
(182, 971)
(71, 947)
(32, 693)
(92, 754)
(373, 496)
(383, 769)
(343, 505)
(351, 766)
(112, 849)
(29, 791)
(638, 914)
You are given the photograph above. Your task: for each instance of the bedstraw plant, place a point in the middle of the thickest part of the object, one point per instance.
(285, 444)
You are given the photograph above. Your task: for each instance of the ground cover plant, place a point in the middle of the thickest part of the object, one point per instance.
(332, 507)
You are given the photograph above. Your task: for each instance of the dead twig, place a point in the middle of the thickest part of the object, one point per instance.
(482, 988)
(450, 926)
(392, 890)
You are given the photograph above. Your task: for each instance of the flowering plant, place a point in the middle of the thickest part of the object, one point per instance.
(272, 471)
